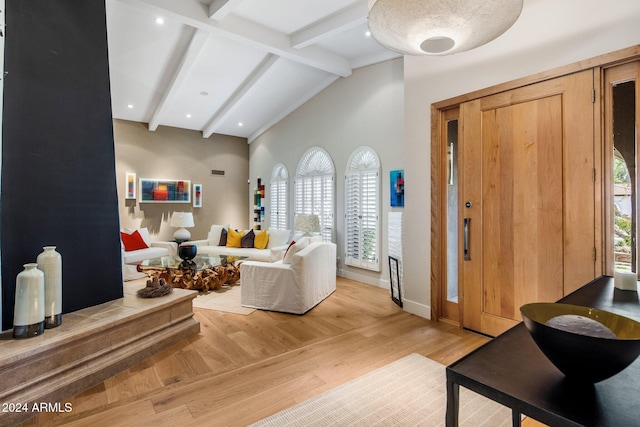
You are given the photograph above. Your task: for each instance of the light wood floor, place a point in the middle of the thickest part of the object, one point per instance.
(240, 369)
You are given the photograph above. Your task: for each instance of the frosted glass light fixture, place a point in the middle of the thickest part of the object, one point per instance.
(440, 27)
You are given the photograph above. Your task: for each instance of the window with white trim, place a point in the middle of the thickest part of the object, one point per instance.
(362, 209)
(315, 189)
(279, 192)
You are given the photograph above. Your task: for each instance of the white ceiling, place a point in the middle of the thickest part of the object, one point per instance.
(226, 62)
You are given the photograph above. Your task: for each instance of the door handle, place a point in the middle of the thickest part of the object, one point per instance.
(467, 223)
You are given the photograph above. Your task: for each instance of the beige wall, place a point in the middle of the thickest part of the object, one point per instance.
(182, 154)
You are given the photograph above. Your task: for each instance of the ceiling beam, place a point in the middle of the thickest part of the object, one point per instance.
(240, 30)
(194, 48)
(237, 98)
(219, 9)
(340, 22)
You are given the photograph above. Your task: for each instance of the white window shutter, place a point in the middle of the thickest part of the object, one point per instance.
(362, 210)
(315, 190)
(279, 197)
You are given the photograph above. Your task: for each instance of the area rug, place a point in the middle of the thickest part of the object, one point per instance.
(408, 392)
(225, 299)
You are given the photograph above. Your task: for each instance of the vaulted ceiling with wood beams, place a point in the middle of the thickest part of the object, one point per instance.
(232, 67)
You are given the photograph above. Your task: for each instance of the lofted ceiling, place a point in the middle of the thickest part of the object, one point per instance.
(237, 67)
(232, 67)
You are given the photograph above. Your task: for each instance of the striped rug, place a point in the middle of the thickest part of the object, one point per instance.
(408, 392)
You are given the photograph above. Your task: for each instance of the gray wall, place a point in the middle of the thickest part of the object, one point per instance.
(173, 153)
(365, 109)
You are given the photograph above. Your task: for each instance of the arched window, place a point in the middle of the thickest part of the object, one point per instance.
(315, 189)
(279, 197)
(362, 209)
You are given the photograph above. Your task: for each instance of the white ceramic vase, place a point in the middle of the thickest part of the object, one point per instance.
(50, 262)
(28, 314)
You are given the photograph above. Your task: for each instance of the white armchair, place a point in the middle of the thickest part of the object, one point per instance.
(304, 278)
(153, 249)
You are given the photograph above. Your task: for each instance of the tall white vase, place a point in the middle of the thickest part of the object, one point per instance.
(28, 314)
(50, 262)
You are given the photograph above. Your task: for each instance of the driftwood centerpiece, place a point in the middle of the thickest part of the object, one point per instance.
(201, 280)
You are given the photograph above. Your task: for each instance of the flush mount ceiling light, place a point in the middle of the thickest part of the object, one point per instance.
(439, 27)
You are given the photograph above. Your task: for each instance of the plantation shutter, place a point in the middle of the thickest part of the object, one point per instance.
(279, 200)
(314, 189)
(362, 211)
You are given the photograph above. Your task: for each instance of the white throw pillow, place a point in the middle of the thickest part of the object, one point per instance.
(278, 237)
(214, 234)
(294, 249)
(145, 235)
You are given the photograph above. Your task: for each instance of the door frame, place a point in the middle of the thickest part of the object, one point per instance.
(438, 159)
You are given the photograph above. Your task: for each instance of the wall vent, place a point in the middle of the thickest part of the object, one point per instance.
(216, 172)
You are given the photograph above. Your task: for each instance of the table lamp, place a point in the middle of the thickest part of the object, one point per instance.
(307, 224)
(182, 220)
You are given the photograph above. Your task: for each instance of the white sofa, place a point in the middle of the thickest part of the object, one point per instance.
(154, 249)
(304, 278)
(276, 245)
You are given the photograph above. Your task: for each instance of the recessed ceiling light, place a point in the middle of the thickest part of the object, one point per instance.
(368, 34)
(240, 124)
(188, 116)
(130, 106)
(159, 20)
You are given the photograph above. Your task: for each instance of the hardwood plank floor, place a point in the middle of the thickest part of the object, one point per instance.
(240, 369)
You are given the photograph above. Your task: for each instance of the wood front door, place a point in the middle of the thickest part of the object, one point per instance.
(527, 208)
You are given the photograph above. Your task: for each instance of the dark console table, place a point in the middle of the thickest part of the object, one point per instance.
(511, 370)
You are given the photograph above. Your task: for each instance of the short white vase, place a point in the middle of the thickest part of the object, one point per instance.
(28, 313)
(50, 262)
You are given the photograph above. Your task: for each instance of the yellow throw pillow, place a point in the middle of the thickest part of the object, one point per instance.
(261, 240)
(234, 238)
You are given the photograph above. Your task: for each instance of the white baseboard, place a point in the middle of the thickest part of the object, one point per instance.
(416, 308)
(409, 306)
(363, 278)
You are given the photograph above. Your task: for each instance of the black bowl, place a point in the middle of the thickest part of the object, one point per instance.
(581, 355)
(187, 252)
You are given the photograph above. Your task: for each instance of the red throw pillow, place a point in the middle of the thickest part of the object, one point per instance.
(133, 241)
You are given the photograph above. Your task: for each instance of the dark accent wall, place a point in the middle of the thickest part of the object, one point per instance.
(58, 161)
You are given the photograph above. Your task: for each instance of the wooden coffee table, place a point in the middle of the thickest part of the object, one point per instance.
(203, 273)
(513, 371)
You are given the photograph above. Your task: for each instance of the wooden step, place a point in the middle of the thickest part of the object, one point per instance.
(90, 346)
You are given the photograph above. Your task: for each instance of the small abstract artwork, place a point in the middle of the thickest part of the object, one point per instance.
(197, 195)
(396, 179)
(130, 189)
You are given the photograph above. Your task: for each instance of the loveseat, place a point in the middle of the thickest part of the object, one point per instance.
(300, 281)
(137, 246)
(267, 245)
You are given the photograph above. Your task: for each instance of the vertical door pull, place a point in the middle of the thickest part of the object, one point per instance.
(467, 222)
(450, 153)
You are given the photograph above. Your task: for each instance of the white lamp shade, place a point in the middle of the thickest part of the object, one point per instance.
(182, 220)
(307, 223)
(440, 27)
